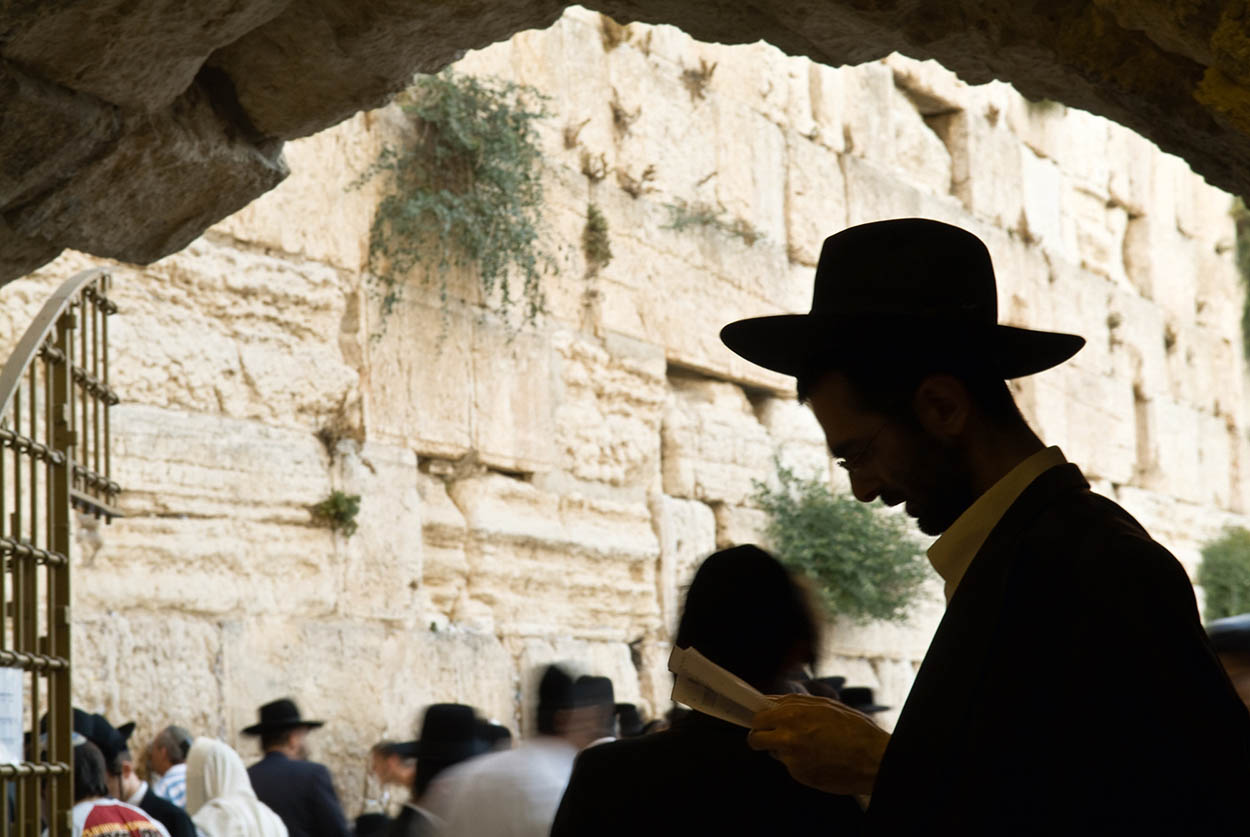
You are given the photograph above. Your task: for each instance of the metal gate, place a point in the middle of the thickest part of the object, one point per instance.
(54, 459)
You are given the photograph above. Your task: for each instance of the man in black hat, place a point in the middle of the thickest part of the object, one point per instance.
(904, 364)
(1231, 638)
(298, 791)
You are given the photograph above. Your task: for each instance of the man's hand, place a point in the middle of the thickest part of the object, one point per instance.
(824, 744)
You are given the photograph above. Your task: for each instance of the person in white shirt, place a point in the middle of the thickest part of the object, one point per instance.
(515, 793)
(167, 758)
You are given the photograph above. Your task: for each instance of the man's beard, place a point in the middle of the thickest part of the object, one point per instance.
(940, 485)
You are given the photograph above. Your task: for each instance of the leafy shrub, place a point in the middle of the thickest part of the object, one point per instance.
(338, 511)
(465, 193)
(865, 563)
(683, 215)
(1225, 574)
(595, 242)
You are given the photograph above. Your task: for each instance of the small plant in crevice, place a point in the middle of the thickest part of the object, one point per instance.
(572, 131)
(594, 166)
(683, 215)
(865, 562)
(1224, 574)
(1169, 338)
(612, 34)
(464, 191)
(338, 512)
(595, 244)
(697, 78)
(636, 186)
(622, 118)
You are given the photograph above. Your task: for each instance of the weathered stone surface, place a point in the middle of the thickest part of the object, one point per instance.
(49, 132)
(300, 72)
(687, 533)
(713, 445)
(739, 524)
(141, 55)
(117, 205)
(578, 657)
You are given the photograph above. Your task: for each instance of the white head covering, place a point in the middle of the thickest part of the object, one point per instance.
(220, 798)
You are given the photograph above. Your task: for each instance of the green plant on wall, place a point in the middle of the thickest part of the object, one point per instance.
(464, 192)
(865, 562)
(684, 215)
(595, 243)
(1224, 574)
(338, 511)
(1241, 221)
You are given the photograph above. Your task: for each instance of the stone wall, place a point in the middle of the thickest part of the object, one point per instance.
(542, 492)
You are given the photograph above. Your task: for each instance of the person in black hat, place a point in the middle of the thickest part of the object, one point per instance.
(450, 734)
(123, 782)
(904, 364)
(744, 612)
(298, 791)
(861, 699)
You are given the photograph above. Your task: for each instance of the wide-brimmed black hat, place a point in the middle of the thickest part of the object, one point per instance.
(861, 698)
(908, 282)
(450, 732)
(279, 715)
(1231, 634)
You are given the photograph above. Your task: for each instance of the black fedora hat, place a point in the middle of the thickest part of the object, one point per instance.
(861, 698)
(1231, 635)
(449, 732)
(278, 715)
(912, 281)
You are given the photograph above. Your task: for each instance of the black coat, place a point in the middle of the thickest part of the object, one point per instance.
(698, 778)
(1070, 689)
(175, 820)
(301, 794)
(412, 822)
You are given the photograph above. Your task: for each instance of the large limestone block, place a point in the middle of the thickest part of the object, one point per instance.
(184, 143)
(300, 72)
(827, 93)
(325, 169)
(49, 133)
(932, 89)
(799, 441)
(815, 197)
(420, 386)
(1131, 160)
(985, 156)
(874, 194)
(547, 564)
(687, 533)
(885, 127)
(1181, 527)
(1161, 263)
(1041, 186)
(760, 76)
(750, 169)
(218, 329)
(141, 55)
(609, 408)
(739, 524)
(155, 668)
(1093, 232)
(381, 562)
(513, 408)
(713, 445)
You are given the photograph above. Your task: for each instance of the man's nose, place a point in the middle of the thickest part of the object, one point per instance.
(865, 487)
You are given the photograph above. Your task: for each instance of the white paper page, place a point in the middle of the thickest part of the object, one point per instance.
(11, 707)
(701, 684)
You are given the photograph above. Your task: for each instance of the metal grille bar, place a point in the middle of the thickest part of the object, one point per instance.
(54, 436)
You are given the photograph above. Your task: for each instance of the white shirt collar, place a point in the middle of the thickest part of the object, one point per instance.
(138, 795)
(952, 553)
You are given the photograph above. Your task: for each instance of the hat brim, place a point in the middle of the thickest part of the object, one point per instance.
(785, 343)
(279, 726)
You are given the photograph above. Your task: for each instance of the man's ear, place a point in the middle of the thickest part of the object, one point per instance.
(942, 405)
(128, 770)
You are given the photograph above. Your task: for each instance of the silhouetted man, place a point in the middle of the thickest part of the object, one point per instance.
(904, 365)
(298, 791)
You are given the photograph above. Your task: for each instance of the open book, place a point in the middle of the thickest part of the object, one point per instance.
(704, 686)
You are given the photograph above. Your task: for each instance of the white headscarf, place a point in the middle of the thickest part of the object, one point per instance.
(220, 798)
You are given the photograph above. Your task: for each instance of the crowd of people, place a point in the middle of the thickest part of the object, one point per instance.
(905, 367)
(463, 776)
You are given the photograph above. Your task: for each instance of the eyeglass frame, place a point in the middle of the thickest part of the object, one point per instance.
(859, 457)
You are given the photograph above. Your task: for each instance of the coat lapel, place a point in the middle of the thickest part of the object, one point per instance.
(929, 738)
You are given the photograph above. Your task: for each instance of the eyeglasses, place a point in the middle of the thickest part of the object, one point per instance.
(860, 456)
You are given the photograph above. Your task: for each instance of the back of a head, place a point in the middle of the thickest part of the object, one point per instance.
(214, 770)
(556, 693)
(176, 742)
(745, 612)
(596, 697)
(90, 774)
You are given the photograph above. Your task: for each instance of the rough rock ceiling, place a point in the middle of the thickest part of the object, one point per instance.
(129, 126)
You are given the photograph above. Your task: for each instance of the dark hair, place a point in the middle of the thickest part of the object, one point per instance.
(746, 613)
(114, 765)
(886, 378)
(276, 739)
(90, 773)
